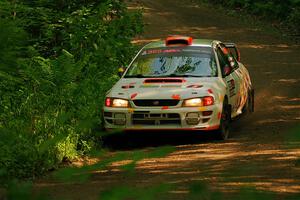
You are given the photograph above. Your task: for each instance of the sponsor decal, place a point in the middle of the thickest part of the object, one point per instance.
(133, 95)
(165, 108)
(176, 50)
(159, 51)
(210, 91)
(176, 96)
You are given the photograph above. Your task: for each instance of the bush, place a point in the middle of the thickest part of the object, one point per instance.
(52, 86)
(294, 20)
(284, 12)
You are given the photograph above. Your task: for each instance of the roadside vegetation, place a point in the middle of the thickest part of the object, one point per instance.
(284, 15)
(57, 60)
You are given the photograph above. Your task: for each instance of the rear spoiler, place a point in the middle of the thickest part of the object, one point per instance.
(233, 50)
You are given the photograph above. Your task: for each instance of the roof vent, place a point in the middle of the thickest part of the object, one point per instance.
(178, 40)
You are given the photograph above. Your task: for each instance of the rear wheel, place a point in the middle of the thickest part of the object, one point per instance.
(223, 131)
(249, 106)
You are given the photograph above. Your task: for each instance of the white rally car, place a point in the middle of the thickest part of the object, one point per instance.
(181, 83)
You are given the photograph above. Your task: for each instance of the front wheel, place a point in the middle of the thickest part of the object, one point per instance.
(223, 131)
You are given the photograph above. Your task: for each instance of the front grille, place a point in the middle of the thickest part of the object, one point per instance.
(147, 118)
(155, 102)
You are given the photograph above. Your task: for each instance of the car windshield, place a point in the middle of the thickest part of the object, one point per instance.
(174, 62)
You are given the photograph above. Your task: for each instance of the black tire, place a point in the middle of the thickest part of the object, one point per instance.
(249, 106)
(223, 131)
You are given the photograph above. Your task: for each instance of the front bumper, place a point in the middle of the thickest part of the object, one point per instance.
(161, 118)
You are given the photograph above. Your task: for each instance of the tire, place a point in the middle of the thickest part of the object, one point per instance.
(223, 131)
(249, 106)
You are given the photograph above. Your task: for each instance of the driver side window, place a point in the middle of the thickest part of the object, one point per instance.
(224, 62)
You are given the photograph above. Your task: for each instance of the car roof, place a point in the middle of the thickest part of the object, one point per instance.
(196, 42)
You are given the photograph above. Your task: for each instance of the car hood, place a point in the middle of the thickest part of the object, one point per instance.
(166, 88)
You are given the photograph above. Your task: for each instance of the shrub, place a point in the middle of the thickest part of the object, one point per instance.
(284, 12)
(58, 59)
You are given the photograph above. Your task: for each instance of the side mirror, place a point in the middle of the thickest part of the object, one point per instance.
(226, 70)
(121, 71)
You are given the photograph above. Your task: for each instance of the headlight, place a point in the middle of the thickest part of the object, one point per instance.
(197, 102)
(192, 102)
(119, 103)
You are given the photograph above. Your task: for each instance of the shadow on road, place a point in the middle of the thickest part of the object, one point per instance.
(144, 139)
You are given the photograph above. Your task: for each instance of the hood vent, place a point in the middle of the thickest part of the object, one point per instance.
(164, 80)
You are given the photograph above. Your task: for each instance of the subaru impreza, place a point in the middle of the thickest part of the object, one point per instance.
(181, 83)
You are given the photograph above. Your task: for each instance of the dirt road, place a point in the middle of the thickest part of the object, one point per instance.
(256, 155)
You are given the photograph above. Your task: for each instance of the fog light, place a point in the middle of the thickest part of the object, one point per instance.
(206, 113)
(119, 119)
(192, 118)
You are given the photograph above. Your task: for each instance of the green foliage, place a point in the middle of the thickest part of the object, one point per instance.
(293, 19)
(287, 13)
(125, 192)
(292, 138)
(104, 28)
(57, 60)
(19, 190)
(23, 191)
(200, 190)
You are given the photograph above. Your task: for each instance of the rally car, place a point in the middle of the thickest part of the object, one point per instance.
(181, 83)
